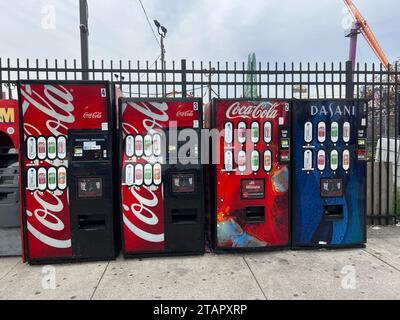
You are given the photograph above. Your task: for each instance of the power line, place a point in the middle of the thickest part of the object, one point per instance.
(150, 25)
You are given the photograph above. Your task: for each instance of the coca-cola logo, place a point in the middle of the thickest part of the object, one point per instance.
(263, 110)
(92, 115)
(188, 113)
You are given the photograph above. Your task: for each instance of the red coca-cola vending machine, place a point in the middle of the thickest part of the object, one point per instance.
(250, 181)
(162, 193)
(68, 207)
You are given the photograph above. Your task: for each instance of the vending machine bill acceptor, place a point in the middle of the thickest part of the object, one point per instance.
(329, 187)
(68, 207)
(162, 193)
(251, 177)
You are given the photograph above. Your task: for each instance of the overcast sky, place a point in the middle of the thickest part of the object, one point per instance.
(208, 30)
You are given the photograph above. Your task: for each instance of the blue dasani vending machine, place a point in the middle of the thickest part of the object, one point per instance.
(329, 176)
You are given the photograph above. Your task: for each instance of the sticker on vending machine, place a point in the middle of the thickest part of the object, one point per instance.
(346, 132)
(321, 132)
(42, 148)
(334, 160)
(255, 132)
(334, 132)
(346, 160)
(228, 133)
(32, 179)
(148, 174)
(242, 161)
(242, 132)
(52, 148)
(138, 145)
(267, 132)
(228, 160)
(52, 179)
(268, 160)
(62, 178)
(31, 148)
(321, 160)
(129, 146)
(129, 175)
(255, 161)
(157, 174)
(308, 132)
(61, 147)
(42, 179)
(139, 174)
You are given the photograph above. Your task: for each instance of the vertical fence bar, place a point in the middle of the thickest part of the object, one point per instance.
(388, 151)
(349, 80)
(183, 78)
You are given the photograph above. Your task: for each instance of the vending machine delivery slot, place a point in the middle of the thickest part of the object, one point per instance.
(333, 212)
(255, 214)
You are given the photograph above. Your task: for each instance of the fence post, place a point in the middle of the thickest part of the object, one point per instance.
(183, 77)
(349, 80)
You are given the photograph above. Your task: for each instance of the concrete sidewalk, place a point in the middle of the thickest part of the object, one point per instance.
(371, 273)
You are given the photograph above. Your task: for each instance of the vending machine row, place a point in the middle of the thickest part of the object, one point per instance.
(287, 173)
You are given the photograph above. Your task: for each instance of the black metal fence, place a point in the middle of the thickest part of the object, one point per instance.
(234, 80)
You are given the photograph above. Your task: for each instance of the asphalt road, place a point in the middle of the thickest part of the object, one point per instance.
(370, 273)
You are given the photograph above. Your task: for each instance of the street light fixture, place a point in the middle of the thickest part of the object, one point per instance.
(162, 31)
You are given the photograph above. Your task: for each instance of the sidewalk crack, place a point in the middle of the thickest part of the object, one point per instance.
(381, 259)
(98, 283)
(9, 271)
(255, 278)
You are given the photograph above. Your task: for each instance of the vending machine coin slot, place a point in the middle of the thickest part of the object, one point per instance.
(333, 212)
(255, 214)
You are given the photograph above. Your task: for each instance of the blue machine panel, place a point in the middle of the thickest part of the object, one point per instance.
(328, 197)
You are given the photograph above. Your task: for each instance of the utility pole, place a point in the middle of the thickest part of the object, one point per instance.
(84, 27)
(162, 31)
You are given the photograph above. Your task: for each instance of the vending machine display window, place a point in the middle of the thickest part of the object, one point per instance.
(183, 183)
(331, 188)
(252, 189)
(90, 188)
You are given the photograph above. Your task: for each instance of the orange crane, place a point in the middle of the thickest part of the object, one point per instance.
(361, 25)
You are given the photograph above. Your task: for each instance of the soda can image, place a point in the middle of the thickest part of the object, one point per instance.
(148, 145)
(139, 174)
(157, 174)
(321, 160)
(42, 148)
(61, 147)
(52, 148)
(308, 132)
(129, 146)
(228, 133)
(308, 160)
(255, 161)
(148, 174)
(242, 132)
(268, 160)
(228, 160)
(334, 132)
(62, 178)
(32, 185)
(31, 146)
(129, 175)
(346, 132)
(321, 132)
(242, 161)
(157, 145)
(42, 179)
(255, 132)
(52, 179)
(138, 146)
(334, 160)
(267, 132)
(346, 160)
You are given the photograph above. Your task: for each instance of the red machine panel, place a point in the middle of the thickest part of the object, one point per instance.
(251, 196)
(9, 120)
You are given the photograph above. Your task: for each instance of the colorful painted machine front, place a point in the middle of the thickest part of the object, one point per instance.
(251, 196)
(67, 179)
(330, 172)
(161, 177)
